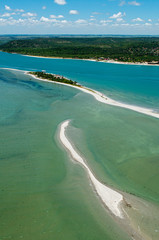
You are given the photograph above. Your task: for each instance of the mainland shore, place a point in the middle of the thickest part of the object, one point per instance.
(97, 60)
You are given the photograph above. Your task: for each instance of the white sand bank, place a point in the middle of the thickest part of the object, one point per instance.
(100, 97)
(104, 99)
(110, 198)
(130, 63)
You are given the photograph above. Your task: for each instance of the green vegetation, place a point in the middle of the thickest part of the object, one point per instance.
(7, 38)
(126, 49)
(53, 77)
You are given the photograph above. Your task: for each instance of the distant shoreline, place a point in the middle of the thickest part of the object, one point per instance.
(92, 60)
(96, 60)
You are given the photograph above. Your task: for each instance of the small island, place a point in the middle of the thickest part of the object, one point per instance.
(50, 77)
(54, 78)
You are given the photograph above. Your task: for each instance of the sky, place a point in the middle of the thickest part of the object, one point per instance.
(139, 17)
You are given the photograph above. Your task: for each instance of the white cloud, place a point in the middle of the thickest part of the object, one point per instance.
(60, 16)
(64, 21)
(53, 20)
(137, 20)
(106, 21)
(19, 10)
(117, 15)
(7, 8)
(95, 13)
(125, 24)
(148, 24)
(120, 20)
(149, 20)
(8, 14)
(29, 14)
(115, 25)
(134, 3)
(32, 21)
(73, 12)
(122, 3)
(1, 19)
(54, 16)
(19, 21)
(136, 24)
(44, 19)
(60, 2)
(81, 21)
(44, 7)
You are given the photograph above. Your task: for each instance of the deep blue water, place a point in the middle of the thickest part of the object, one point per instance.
(132, 84)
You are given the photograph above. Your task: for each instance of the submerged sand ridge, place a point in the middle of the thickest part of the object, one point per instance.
(112, 199)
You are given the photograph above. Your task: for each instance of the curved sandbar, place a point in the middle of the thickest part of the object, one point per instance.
(104, 99)
(110, 198)
(100, 97)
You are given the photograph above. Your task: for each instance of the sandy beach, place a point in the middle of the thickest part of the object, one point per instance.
(130, 63)
(109, 197)
(96, 60)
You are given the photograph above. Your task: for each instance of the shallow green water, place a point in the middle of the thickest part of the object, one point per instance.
(46, 196)
(43, 195)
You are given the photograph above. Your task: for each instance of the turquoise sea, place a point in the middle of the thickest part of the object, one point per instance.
(43, 193)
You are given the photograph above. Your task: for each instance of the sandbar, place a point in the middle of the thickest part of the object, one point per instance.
(100, 97)
(104, 99)
(111, 198)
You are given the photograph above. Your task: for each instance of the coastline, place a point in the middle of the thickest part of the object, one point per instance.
(104, 99)
(95, 60)
(130, 63)
(111, 198)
